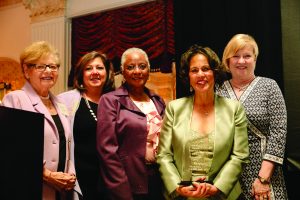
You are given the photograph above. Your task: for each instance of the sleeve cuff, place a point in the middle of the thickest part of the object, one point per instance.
(273, 158)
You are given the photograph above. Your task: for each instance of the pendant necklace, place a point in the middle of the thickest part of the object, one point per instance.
(206, 111)
(244, 87)
(89, 107)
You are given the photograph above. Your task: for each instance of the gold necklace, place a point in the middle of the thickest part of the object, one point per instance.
(244, 87)
(206, 111)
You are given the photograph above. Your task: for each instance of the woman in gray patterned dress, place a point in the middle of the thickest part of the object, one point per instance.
(265, 108)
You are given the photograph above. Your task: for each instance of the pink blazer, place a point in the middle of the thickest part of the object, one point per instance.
(28, 99)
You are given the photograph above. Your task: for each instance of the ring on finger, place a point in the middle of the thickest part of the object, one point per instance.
(261, 197)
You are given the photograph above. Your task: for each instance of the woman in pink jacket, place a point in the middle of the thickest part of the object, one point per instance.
(40, 65)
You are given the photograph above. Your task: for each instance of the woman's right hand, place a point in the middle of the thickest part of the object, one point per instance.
(197, 190)
(59, 180)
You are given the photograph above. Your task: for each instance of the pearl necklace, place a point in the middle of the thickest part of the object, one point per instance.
(89, 107)
(46, 97)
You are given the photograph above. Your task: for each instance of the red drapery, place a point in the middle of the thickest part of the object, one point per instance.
(149, 26)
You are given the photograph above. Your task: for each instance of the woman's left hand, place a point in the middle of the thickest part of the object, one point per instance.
(197, 190)
(260, 191)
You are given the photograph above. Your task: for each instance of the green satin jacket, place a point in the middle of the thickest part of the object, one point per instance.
(230, 145)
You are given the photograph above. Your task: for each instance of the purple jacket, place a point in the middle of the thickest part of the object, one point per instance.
(121, 143)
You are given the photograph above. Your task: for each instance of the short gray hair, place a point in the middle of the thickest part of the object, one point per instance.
(132, 50)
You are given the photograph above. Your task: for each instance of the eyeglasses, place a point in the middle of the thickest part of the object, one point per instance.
(42, 67)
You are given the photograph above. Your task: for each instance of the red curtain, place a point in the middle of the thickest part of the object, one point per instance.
(149, 26)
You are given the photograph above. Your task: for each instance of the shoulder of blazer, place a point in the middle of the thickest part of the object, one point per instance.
(63, 108)
(181, 106)
(69, 95)
(16, 98)
(71, 100)
(227, 100)
(225, 103)
(181, 101)
(115, 97)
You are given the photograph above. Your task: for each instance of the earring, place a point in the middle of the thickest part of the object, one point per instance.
(123, 80)
(191, 89)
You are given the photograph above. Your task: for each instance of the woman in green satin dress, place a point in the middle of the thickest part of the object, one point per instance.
(204, 136)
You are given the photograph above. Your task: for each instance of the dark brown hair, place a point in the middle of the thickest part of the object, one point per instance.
(213, 61)
(83, 61)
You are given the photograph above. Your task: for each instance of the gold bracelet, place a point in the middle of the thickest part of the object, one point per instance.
(263, 180)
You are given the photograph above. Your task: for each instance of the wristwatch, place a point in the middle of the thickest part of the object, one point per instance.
(263, 180)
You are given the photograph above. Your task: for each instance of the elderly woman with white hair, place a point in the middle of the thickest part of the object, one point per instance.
(128, 128)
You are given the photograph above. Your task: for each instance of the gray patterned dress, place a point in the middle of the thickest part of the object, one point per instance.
(267, 121)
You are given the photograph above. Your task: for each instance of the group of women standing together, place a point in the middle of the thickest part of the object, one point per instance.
(226, 140)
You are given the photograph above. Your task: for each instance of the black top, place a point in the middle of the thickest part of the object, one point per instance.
(62, 153)
(86, 160)
(62, 143)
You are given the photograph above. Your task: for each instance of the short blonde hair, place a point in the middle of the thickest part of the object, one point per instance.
(37, 50)
(237, 42)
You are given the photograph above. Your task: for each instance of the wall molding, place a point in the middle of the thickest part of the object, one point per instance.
(45, 9)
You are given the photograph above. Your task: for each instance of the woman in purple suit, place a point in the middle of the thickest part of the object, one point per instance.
(128, 128)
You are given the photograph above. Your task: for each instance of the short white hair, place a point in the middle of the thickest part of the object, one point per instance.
(133, 50)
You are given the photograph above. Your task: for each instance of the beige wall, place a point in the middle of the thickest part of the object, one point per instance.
(15, 32)
(17, 29)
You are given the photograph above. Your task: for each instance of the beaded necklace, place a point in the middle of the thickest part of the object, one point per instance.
(89, 107)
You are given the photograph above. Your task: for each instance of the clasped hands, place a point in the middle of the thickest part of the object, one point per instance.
(197, 190)
(59, 180)
(260, 191)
